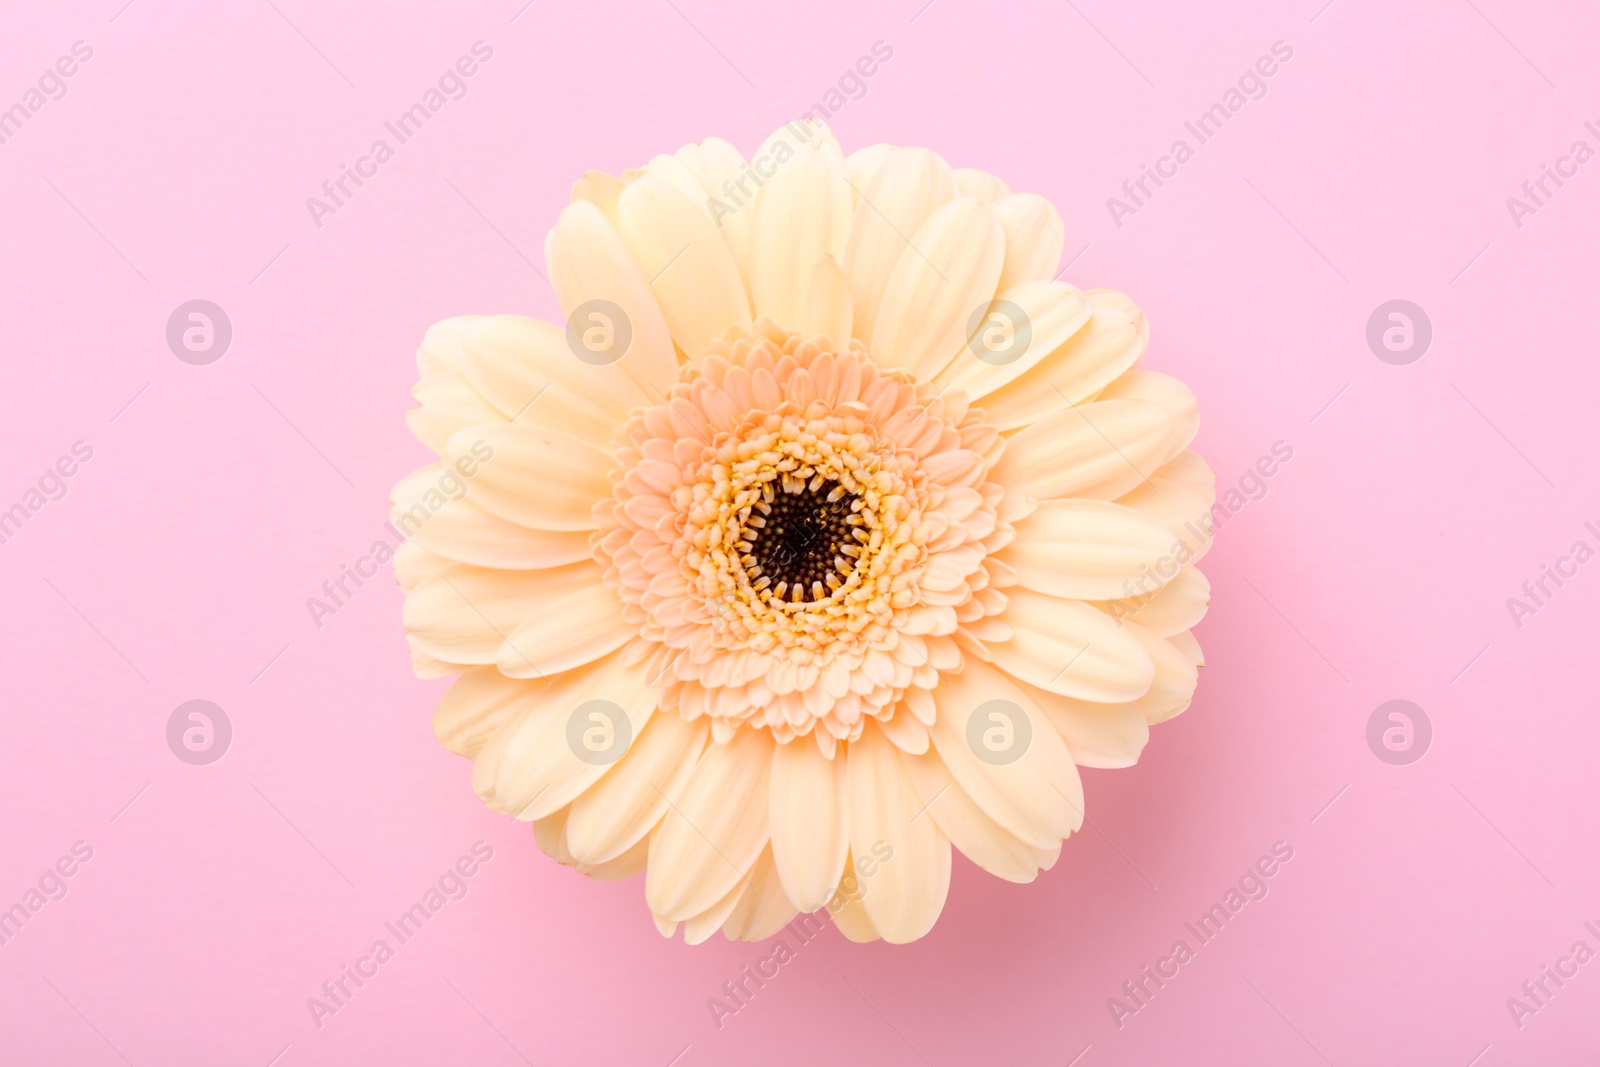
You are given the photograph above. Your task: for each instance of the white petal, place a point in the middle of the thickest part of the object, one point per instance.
(441, 345)
(476, 705)
(716, 829)
(1182, 408)
(571, 628)
(527, 371)
(1182, 511)
(622, 808)
(809, 810)
(428, 513)
(947, 275)
(530, 768)
(906, 893)
(801, 215)
(1068, 647)
(828, 304)
(729, 203)
(847, 909)
(978, 837)
(985, 187)
(896, 196)
(1022, 327)
(533, 476)
(763, 908)
(1176, 606)
(691, 271)
(1086, 549)
(1034, 236)
(461, 614)
(1110, 343)
(1034, 793)
(1099, 450)
(1097, 735)
(589, 261)
(448, 403)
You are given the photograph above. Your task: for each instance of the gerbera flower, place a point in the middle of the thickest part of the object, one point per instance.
(830, 526)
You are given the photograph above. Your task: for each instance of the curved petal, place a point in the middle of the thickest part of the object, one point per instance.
(809, 804)
(1021, 327)
(533, 476)
(1099, 450)
(1176, 606)
(978, 837)
(985, 187)
(529, 769)
(588, 260)
(525, 370)
(829, 309)
(476, 705)
(461, 614)
(905, 895)
(1097, 735)
(571, 628)
(1034, 236)
(428, 512)
(715, 831)
(947, 275)
(763, 909)
(1177, 398)
(449, 403)
(1109, 344)
(1028, 785)
(1070, 648)
(729, 199)
(897, 194)
(691, 271)
(802, 214)
(621, 809)
(1085, 549)
(441, 345)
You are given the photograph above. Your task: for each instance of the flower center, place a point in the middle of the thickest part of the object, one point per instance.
(803, 543)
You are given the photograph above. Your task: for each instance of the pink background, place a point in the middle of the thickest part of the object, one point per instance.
(1377, 567)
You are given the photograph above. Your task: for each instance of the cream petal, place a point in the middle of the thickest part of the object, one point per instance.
(1176, 606)
(905, 895)
(1177, 398)
(1023, 326)
(714, 831)
(534, 477)
(1182, 511)
(623, 807)
(550, 834)
(1100, 450)
(985, 187)
(947, 274)
(978, 837)
(861, 164)
(449, 403)
(529, 768)
(476, 705)
(801, 215)
(698, 928)
(828, 304)
(526, 371)
(1034, 235)
(627, 865)
(1086, 549)
(459, 530)
(763, 908)
(571, 628)
(588, 260)
(1186, 643)
(674, 172)
(1070, 648)
(728, 202)
(1097, 735)
(414, 564)
(847, 908)
(441, 345)
(809, 805)
(691, 271)
(1109, 344)
(461, 614)
(1035, 795)
(1193, 473)
(600, 189)
(1175, 680)
(895, 197)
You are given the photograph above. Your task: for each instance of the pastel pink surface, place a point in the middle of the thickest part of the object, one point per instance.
(1377, 566)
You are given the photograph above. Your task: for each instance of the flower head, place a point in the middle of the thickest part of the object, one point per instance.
(832, 530)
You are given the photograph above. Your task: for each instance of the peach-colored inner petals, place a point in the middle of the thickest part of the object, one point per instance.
(900, 472)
